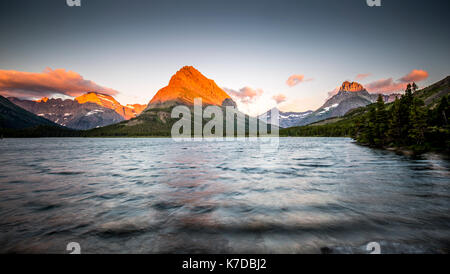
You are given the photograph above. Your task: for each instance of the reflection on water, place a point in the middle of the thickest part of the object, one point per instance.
(161, 196)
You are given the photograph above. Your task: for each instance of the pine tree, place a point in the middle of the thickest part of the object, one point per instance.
(371, 126)
(414, 87)
(441, 114)
(395, 125)
(404, 116)
(381, 122)
(418, 118)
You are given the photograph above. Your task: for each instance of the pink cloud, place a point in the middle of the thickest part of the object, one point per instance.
(388, 85)
(279, 98)
(296, 79)
(333, 92)
(49, 82)
(245, 94)
(385, 86)
(362, 76)
(416, 75)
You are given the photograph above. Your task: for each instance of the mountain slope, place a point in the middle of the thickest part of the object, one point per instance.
(15, 117)
(350, 96)
(431, 94)
(70, 113)
(186, 85)
(107, 101)
(436, 131)
(286, 119)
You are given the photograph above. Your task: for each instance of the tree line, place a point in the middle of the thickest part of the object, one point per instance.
(405, 123)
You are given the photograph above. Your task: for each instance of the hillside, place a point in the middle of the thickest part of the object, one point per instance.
(350, 96)
(15, 117)
(71, 113)
(418, 120)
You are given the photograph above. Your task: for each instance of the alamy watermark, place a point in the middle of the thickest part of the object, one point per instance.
(373, 3)
(372, 248)
(77, 3)
(73, 3)
(214, 123)
(74, 248)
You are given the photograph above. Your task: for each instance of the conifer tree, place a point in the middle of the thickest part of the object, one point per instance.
(381, 122)
(395, 125)
(414, 87)
(418, 119)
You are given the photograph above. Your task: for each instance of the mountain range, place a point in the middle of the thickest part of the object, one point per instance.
(15, 117)
(416, 123)
(350, 96)
(102, 115)
(186, 85)
(90, 110)
(286, 119)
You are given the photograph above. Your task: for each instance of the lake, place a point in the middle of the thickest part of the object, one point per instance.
(151, 195)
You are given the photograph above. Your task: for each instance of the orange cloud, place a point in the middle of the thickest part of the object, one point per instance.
(362, 76)
(416, 75)
(385, 86)
(389, 85)
(279, 98)
(47, 83)
(245, 94)
(296, 79)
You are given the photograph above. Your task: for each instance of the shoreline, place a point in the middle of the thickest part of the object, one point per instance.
(410, 152)
(398, 150)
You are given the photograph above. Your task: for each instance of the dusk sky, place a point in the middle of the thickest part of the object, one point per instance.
(293, 52)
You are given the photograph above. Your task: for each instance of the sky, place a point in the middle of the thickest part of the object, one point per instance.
(290, 54)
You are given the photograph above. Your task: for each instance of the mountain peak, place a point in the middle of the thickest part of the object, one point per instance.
(43, 100)
(186, 85)
(108, 101)
(98, 98)
(352, 87)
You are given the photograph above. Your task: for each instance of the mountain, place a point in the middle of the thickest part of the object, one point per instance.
(350, 96)
(436, 110)
(351, 87)
(136, 109)
(70, 113)
(107, 101)
(286, 119)
(432, 94)
(87, 111)
(15, 117)
(187, 84)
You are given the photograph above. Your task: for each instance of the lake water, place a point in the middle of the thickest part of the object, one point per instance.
(161, 196)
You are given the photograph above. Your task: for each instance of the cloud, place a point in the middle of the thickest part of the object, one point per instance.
(279, 98)
(416, 75)
(362, 76)
(296, 79)
(385, 86)
(251, 101)
(333, 92)
(388, 85)
(49, 82)
(245, 94)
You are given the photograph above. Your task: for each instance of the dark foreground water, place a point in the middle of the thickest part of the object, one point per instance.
(161, 196)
